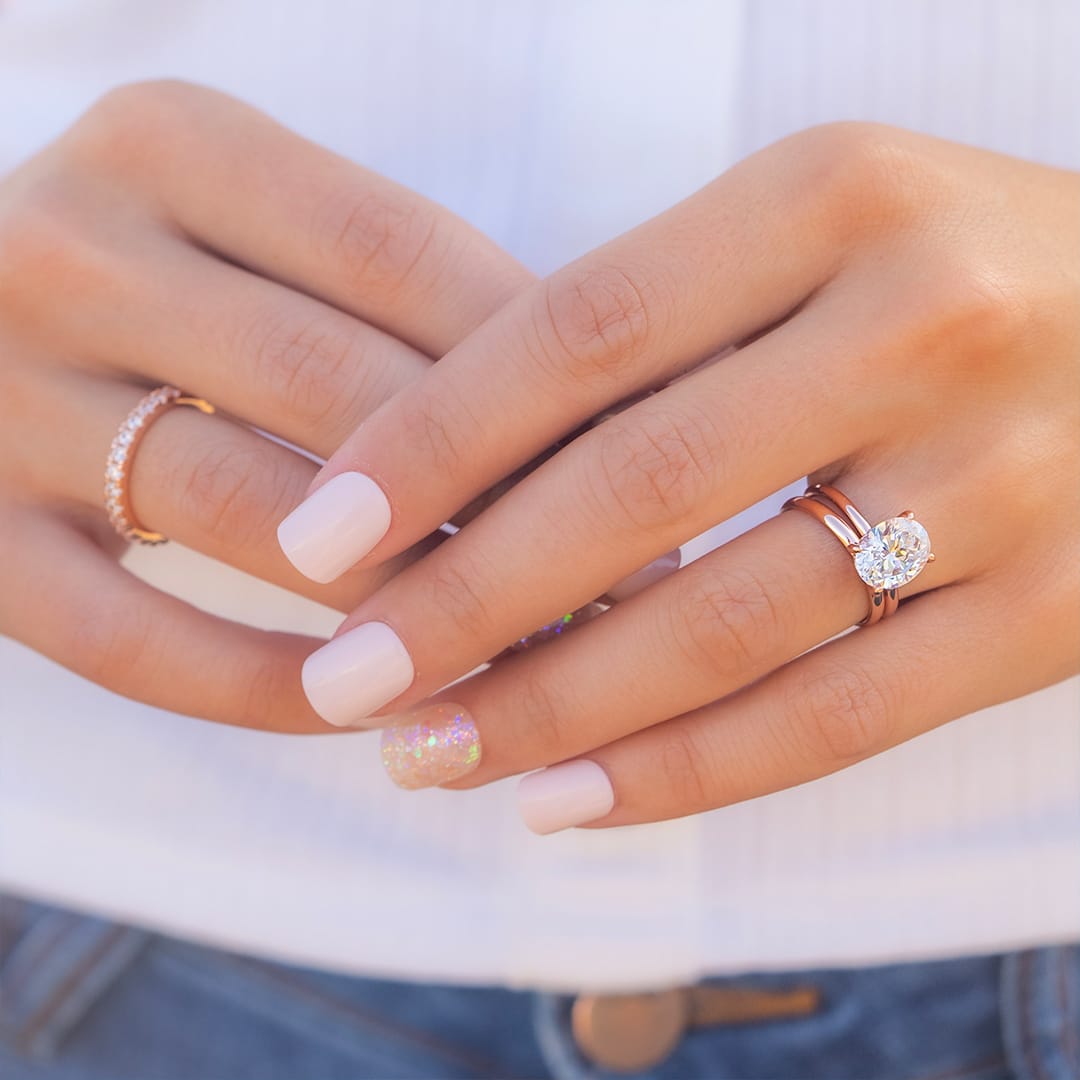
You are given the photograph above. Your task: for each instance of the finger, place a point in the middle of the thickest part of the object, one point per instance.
(719, 624)
(736, 257)
(204, 481)
(67, 599)
(262, 196)
(941, 656)
(265, 353)
(617, 497)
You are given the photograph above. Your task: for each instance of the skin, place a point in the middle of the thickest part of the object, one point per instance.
(174, 235)
(908, 312)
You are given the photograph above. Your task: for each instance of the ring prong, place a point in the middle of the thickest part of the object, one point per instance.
(853, 548)
(931, 557)
(909, 514)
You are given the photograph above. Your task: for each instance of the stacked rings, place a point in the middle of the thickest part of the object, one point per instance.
(887, 556)
(122, 454)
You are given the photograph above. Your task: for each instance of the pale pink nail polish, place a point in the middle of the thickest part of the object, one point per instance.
(641, 579)
(562, 796)
(355, 674)
(431, 746)
(335, 526)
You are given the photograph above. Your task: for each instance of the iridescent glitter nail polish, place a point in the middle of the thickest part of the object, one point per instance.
(431, 746)
(559, 627)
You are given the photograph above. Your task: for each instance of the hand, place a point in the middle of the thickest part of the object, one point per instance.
(177, 236)
(909, 313)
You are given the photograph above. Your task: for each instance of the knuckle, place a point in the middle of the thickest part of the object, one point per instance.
(599, 321)
(656, 468)
(235, 496)
(33, 243)
(865, 175)
(308, 368)
(431, 427)
(969, 310)
(962, 317)
(457, 589)
(266, 686)
(379, 240)
(45, 251)
(110, 646)
(841, 715)
(687, 772)
(135, 118)
(726, 622)
(544, 707)
(144, 96)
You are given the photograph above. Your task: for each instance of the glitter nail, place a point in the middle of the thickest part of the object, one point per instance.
(431, 746)
(558, 627)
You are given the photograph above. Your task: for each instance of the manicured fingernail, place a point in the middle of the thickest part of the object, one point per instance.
(355, 674)
(335, 526)
(565, 795)
(559, 627)
(648, 575)
(431, 747)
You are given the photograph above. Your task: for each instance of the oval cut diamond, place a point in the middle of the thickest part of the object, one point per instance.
(892, 553)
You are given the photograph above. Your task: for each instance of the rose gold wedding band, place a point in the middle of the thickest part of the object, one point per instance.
(122, 454)
(886, 556)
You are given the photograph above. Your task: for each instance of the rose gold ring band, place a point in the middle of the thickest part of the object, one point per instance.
(122, 454)
(901, 541)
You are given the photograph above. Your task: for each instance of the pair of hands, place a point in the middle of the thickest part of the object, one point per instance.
(905, 321)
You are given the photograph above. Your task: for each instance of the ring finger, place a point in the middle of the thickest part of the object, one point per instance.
(202, 480)
(716, 626)
(942, 657)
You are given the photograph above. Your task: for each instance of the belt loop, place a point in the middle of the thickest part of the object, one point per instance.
(1040, 1012)
(56, 972)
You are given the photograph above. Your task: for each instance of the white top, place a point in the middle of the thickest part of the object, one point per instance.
(552, 127)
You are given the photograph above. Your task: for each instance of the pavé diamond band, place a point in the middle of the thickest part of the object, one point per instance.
(887, 555)
(122, 454)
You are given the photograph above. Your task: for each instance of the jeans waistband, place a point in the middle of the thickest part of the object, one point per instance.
(58, 971)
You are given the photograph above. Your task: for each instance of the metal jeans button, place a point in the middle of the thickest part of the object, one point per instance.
(630, 1032)
(633, 1032)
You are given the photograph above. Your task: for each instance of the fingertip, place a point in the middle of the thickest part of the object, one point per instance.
(335, 526)
(435, 745)
(356, 674)
(565, 795)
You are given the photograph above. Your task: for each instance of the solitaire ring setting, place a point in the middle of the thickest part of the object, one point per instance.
(887, 556)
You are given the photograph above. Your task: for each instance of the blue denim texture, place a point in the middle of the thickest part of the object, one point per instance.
(83, 999)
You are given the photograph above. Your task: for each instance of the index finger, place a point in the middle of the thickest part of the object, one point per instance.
(731, 260)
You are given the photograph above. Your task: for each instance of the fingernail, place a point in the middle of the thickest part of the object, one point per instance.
(431, 747)
(648, 575)
(335, 526)
(559, 627)
(355, 674)
(565, 795)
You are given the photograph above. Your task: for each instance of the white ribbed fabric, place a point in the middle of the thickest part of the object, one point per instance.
(553, 128)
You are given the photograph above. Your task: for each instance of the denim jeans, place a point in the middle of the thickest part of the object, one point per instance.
(83, 999)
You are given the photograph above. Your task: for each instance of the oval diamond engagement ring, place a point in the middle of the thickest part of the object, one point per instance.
(887, 555)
